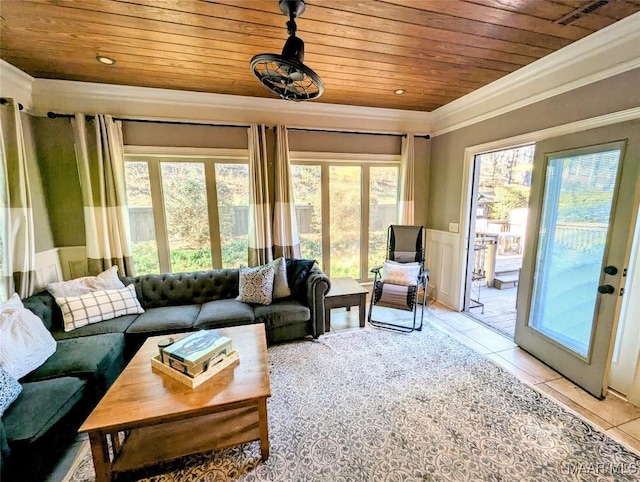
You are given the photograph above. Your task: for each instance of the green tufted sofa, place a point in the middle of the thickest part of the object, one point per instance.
(36, 429)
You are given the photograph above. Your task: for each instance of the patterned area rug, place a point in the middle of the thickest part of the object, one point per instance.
(374, 405)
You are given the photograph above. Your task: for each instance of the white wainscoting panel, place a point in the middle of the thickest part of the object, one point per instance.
(47, 268)
(443, 261)
(74, 261)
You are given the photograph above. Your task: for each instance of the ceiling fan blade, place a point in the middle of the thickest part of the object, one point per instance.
(276, 78)
(293, 88)
(296, 76)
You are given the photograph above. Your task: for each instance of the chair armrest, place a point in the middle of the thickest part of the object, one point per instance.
(376, 269)
(318, 285)
(424, 278)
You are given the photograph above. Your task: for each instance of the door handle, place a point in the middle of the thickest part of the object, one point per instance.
(606, 289)
(611, 270)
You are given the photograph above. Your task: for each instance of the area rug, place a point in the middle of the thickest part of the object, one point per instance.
(374, 405)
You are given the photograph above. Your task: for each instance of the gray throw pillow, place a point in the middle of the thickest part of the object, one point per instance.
(280, 284)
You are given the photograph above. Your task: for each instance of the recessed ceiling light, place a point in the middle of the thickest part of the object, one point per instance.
(105, 60)
(398, 91)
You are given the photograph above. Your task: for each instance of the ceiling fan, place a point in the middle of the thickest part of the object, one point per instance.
(286, 75)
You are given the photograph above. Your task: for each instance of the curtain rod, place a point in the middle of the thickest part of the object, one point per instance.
(392, 134)
(4, 101)
(188, 123)
(54, 115)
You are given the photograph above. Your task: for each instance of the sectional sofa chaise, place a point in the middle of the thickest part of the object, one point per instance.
(56, 397)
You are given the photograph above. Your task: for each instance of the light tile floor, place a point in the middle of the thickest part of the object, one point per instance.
(615, 417)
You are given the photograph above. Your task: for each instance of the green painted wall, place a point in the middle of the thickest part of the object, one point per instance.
(43, 235)
(61, 185)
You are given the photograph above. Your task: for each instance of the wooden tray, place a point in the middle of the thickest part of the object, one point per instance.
(229, 360)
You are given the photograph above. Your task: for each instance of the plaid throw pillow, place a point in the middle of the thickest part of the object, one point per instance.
(98, 306)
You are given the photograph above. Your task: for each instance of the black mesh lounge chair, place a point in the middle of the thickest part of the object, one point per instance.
(397, 283)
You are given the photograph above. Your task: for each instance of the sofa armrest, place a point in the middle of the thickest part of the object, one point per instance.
(318, 285)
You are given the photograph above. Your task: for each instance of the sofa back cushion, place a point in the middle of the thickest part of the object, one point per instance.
(172, 289)
(44, 305)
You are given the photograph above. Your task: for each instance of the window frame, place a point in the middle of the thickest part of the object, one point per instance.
(365, 161)
(209, 157)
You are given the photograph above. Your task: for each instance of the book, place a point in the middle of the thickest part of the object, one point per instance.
(193, 354)
(192, 382)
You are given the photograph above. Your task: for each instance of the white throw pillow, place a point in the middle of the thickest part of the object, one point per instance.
(280, 284)
(98, 306)
(25, 343)
(107, 280)
(256, 284)
(405, 274)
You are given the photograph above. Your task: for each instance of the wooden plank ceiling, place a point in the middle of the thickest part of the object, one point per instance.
(436, 50)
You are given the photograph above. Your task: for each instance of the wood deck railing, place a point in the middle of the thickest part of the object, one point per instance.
(571, 236)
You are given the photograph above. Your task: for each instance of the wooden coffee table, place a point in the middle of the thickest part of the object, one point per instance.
(161, 419)
(344, 293)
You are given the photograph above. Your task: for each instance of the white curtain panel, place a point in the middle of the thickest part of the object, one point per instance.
(260, 238)
(406, 193)
(100, 161)
(286, 238)
(17, 237)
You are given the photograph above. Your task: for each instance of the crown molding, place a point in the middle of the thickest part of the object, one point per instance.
(605, 53)
(164, 104)
(16, 84)
(557, 131)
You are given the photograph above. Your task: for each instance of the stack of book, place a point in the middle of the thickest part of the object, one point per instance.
(196, 357)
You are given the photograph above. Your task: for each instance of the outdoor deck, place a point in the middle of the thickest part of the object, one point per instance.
(499, 305)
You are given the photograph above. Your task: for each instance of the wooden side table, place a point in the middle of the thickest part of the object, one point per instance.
(344, 293)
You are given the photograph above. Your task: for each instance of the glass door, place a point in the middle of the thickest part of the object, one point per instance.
(573, 270)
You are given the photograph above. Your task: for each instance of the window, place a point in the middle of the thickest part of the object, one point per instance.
(343, 209)
(306, 181)
(187, 211)
(5, 269)
(383, 186)
(141, 220)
